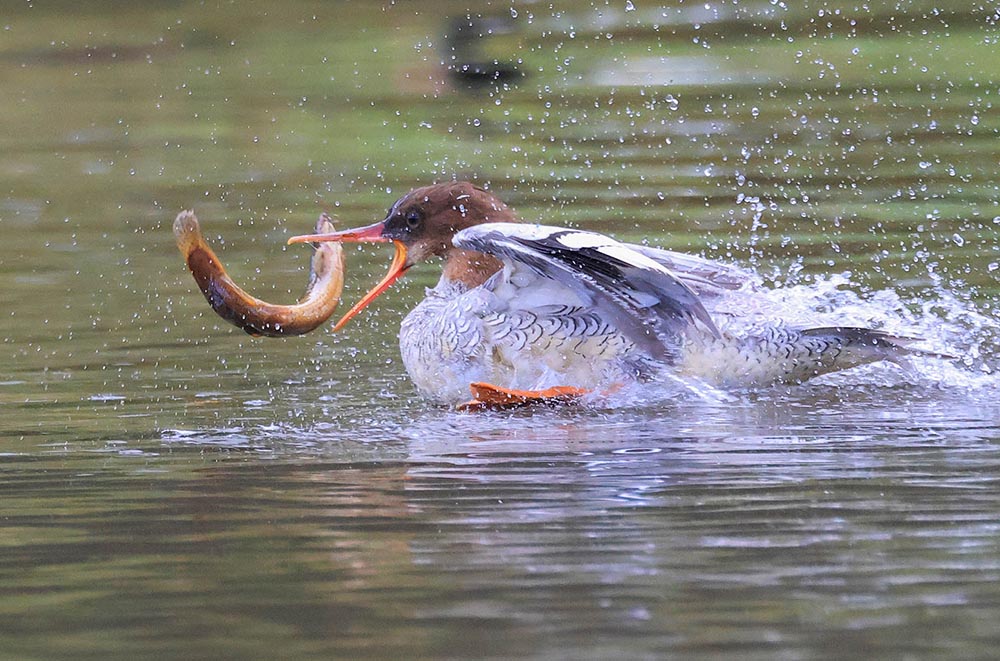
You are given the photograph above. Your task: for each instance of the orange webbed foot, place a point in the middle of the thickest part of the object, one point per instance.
(488, 396)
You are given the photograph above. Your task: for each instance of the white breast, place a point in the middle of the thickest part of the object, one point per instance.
(511, 333)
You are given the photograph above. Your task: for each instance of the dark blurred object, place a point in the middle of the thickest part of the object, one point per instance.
(462, 52)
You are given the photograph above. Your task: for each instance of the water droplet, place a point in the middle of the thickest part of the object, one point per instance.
(636, 451)
(958, 239)
(629, 6)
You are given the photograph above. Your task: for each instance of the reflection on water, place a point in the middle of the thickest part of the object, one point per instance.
(172, 488)
(807, 529)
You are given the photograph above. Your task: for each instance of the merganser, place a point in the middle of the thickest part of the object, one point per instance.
(526, 313)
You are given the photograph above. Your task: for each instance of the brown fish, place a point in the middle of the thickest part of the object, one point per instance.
(253, 315)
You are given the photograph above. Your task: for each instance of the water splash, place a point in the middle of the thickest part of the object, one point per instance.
(946, 322)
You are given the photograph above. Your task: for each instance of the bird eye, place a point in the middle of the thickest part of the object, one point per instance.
(413, 219)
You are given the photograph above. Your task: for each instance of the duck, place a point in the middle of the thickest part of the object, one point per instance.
(526, 313)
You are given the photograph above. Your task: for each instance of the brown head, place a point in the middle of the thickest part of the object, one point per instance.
(421, 225)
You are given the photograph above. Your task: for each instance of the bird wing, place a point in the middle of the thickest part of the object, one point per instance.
(704, 276)
(644, 299)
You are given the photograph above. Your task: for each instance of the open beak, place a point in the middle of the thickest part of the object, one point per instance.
(370, 234)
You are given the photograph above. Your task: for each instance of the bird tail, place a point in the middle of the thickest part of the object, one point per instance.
(868, 345)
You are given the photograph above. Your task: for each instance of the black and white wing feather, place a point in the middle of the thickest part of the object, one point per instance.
(704, 276)
(643, 299)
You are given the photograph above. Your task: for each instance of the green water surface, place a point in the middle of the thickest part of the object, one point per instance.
(172, 488)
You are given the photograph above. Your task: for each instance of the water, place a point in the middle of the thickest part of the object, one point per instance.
(173, 488)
